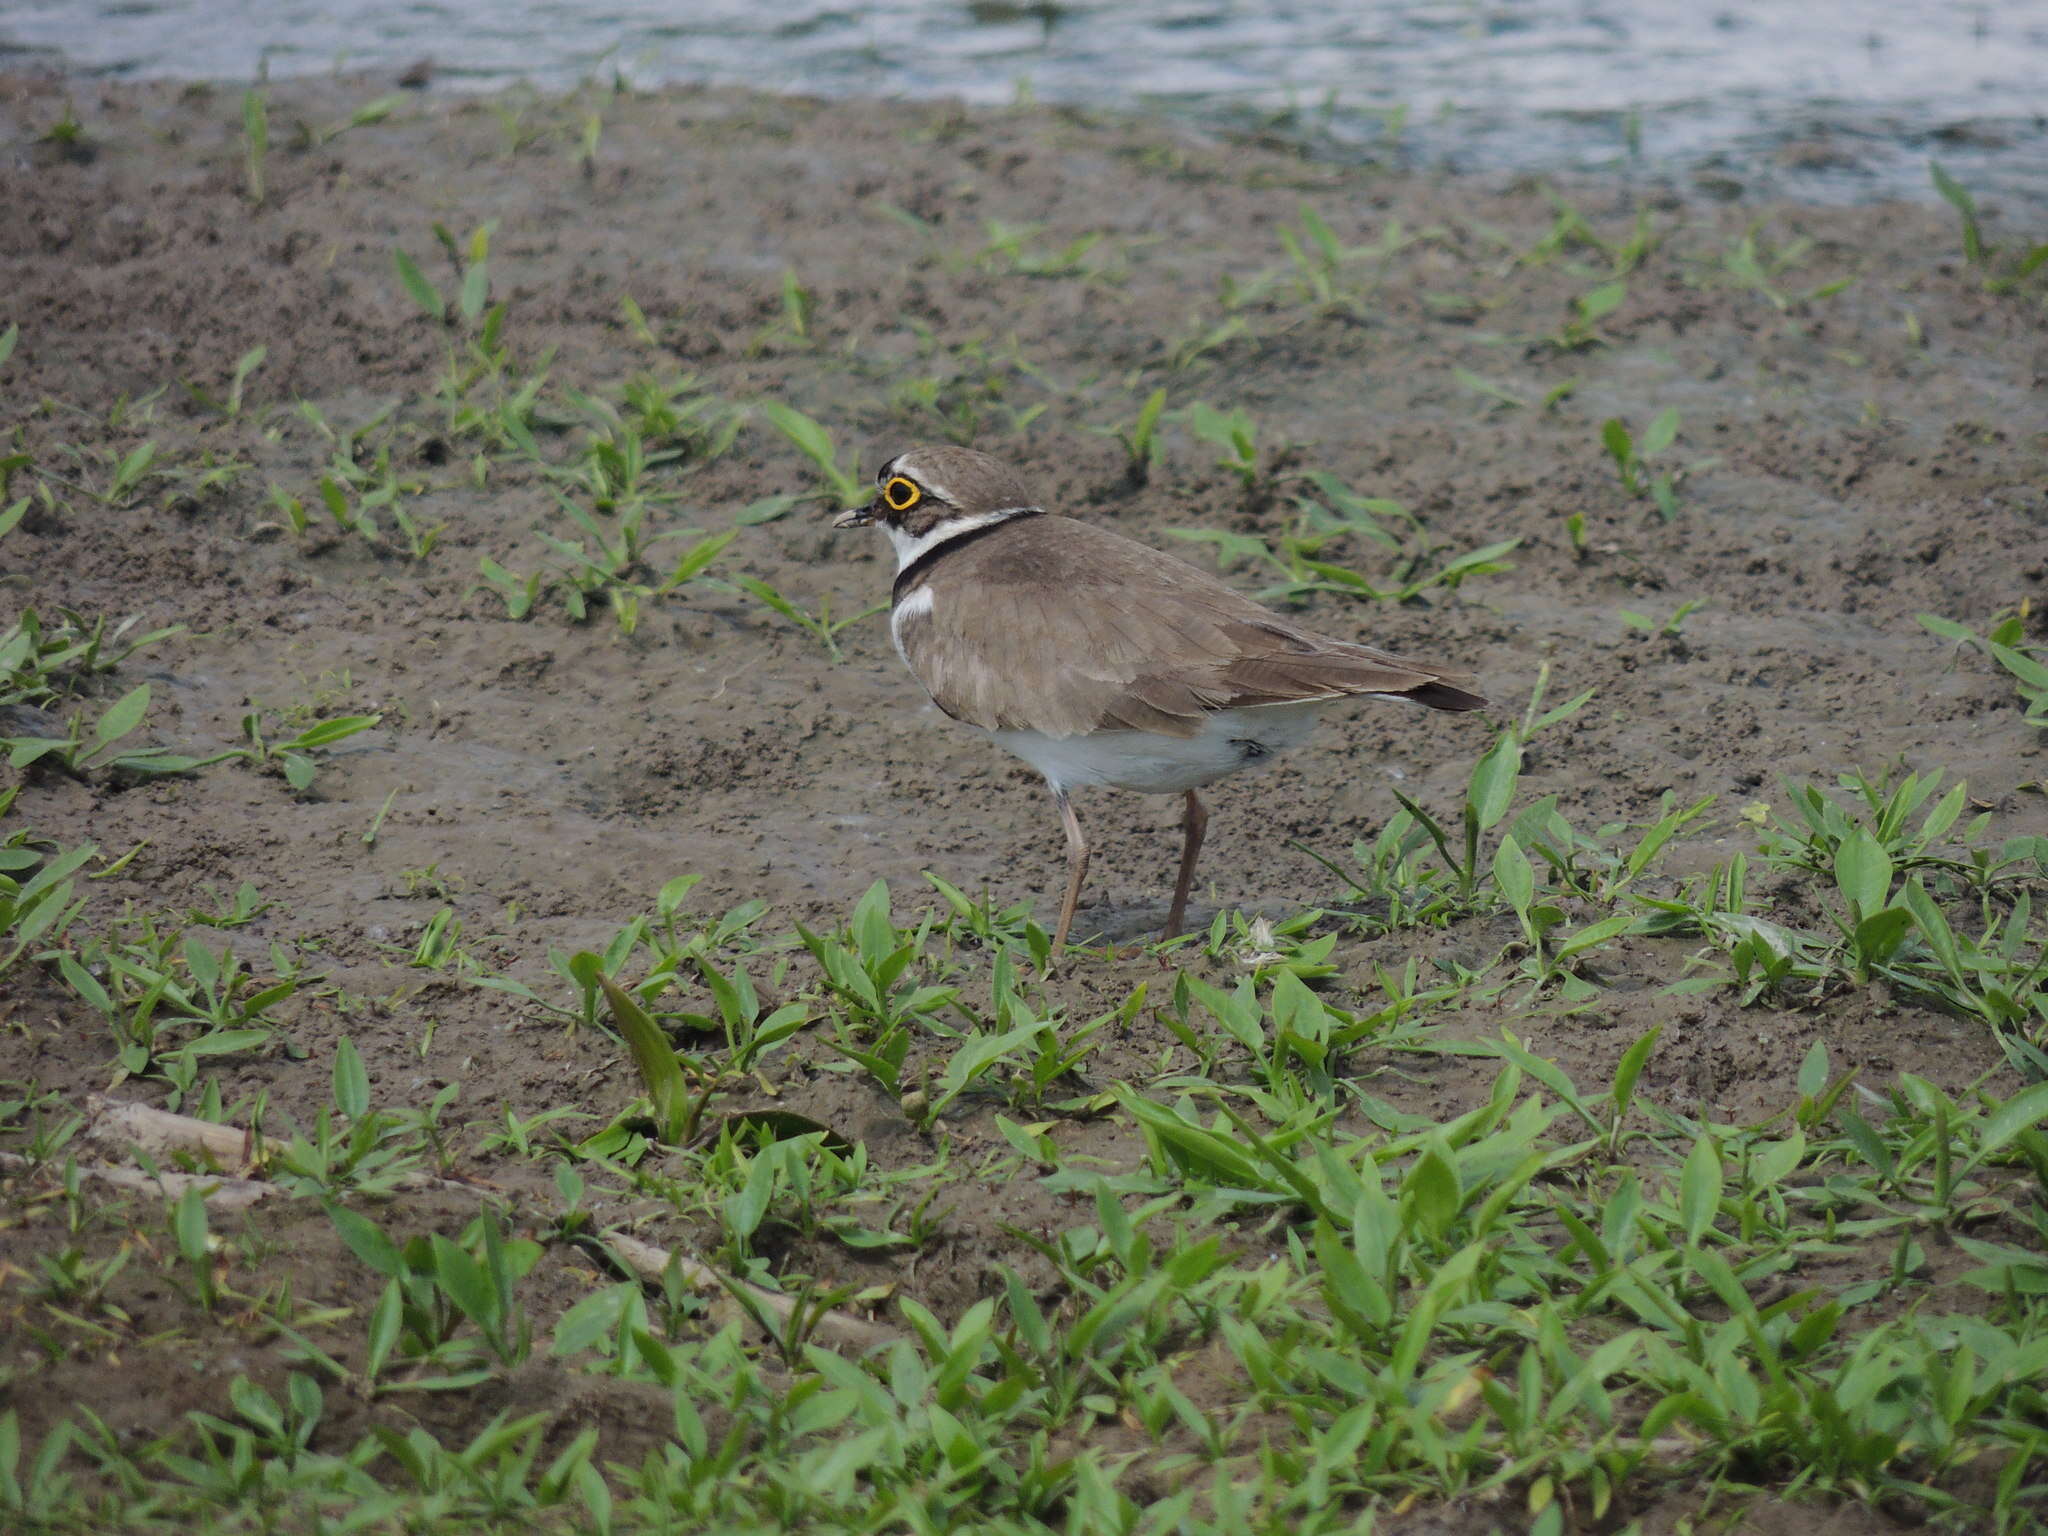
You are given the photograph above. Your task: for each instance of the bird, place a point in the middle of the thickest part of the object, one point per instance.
(1099, 660)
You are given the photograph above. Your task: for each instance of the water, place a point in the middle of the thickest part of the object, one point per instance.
(1817, 100)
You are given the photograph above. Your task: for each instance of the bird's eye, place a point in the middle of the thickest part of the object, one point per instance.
(901, 494)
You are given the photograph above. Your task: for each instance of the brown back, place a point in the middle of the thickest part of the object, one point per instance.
(1049, 624)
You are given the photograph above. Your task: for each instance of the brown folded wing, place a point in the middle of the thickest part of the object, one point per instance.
(1053, 625)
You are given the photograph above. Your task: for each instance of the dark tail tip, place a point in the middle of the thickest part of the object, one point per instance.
(1440, 695)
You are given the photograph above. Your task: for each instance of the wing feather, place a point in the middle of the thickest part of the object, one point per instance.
(1054, 625)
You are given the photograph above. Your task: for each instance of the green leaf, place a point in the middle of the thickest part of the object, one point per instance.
(424, 293)
(256, 121)
(122, 716)
(1958, 197)
(226, 1042)
(247, 364)
(84, 983)
(475, 291)
(1659, 434)
(1595, 934)
(783, 1125)
(2023, 1111)
(385, 1319)
(1620, 446)
(464, 1280)
(874, 936)
(1948, 629)
(1493, 780)
(327, 732)
(661, 1074)
(128, 474)
(1878, 936)
(1699, 1188)
(765, 510)
(1630, 1068)
(1430, 1194)
(1216, 1159)
(1148, 419)
(700, 555)
(1544, 1070)
(812, 440)
(2032, 674)
(1863, 871)
(351, 1080)
(1602, 301)
(1514, 875)
(975, 1058)
(1813, 1070)
(202, 963)
(8, 338)
(336, 501)
(767, 594)
(1934, 927)
(746, 1209)
(1665, 497)
(188, 1221)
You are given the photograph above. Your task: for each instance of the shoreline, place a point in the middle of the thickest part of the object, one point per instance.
(1821, 157)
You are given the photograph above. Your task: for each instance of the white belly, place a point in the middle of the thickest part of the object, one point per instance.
(1231, 741)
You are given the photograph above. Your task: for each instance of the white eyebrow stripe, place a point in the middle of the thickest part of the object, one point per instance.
(914, 546)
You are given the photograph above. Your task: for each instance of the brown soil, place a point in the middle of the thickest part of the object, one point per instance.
(1877, 454)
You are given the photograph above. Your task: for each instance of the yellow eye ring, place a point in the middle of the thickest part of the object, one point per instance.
(901, 494)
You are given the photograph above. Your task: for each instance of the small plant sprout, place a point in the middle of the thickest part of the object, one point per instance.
(230, 405)
(1142, 447)
(798, 306)
(1670, 628)
(255, 142)
(820, 626)
(471, 261)
(1750, 263)
(791, 328)
(519, 592)
(843, 483)
(1334, 512)
(104, 748)
(1582, 328)
(1321, 266)
(308, 136)
(1234, 434)
(67, 132)
(636, 322)
(1202, 338)
(130, 473)
(1998, 277)
(1575, 531)
(1631, 458)
(298, 757)
(2005, 644)
(45, 659)
(1008, 248)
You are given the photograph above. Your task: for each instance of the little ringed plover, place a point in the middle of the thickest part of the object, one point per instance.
(1098, 660)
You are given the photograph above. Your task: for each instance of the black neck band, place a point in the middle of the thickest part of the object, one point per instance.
(914, 572)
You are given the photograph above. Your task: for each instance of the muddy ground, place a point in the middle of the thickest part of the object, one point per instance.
(1862, 457)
